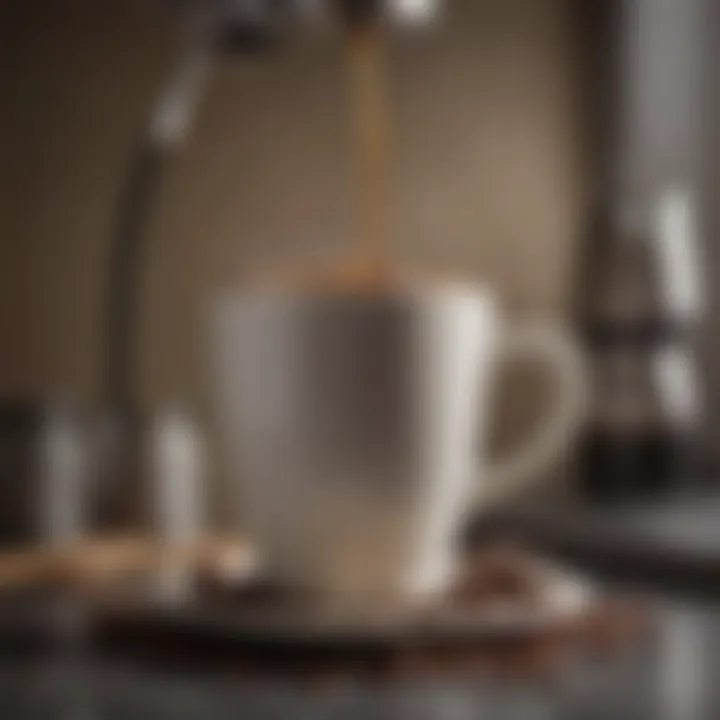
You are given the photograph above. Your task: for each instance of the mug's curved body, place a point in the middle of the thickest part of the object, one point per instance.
(352, 425)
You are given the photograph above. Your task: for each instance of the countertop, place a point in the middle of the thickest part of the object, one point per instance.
(669, 552)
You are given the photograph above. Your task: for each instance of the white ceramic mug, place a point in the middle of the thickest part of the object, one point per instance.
(354, 427)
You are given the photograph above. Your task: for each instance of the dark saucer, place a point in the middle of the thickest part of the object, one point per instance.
(259, 629)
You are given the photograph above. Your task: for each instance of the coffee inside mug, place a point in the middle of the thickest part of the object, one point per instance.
(360, 276)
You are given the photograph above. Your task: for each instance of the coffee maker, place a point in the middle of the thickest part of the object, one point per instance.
(642, 296)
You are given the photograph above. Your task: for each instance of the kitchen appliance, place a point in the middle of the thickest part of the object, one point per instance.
(642, 285)
(645, 298)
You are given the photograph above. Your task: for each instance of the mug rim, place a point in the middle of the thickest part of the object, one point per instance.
(448, 290)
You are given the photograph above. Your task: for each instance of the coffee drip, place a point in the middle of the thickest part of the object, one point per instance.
(370, 125)
(369, 267)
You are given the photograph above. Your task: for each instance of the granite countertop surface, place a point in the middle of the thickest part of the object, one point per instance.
(671, 676)
(670, 551)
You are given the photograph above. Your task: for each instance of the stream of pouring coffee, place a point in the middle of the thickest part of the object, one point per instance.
(369, 114)
(370, 266)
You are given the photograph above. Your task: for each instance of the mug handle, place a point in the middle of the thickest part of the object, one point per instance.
(546, 342)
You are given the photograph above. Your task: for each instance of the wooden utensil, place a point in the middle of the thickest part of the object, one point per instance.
(107, 558)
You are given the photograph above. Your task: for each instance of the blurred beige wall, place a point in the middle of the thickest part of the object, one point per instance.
(488, 155)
